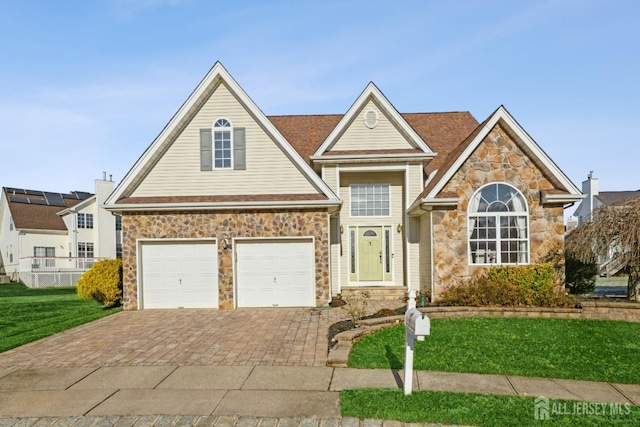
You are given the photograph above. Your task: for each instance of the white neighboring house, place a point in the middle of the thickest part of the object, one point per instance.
(611, 263)
(50, 239)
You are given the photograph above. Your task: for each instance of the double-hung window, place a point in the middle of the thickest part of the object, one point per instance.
(370, 200)
(85, 220)
(498, 226)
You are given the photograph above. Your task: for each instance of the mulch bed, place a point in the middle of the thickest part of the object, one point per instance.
(347, 325)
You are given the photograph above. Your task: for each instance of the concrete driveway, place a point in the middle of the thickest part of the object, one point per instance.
(252, 337)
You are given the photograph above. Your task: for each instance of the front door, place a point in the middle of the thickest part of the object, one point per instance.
(370, 253)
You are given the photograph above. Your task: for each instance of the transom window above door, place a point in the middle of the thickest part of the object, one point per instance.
(370, 200)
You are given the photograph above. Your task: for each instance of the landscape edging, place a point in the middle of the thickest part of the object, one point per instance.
(598, 310)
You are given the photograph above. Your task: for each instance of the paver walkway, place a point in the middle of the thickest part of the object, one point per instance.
(251, 337)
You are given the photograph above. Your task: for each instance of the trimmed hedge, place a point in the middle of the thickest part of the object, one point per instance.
(103, 283)
(512, 286)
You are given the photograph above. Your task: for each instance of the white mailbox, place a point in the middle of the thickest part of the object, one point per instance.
(417, 323)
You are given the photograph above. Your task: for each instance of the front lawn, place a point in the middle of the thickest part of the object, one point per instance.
(593, 350)
(30, 314)
(480, 410)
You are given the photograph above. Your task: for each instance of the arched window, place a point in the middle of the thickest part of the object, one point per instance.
(222, 143)
(498, 226)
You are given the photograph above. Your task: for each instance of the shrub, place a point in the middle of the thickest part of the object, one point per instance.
(102, 282)
(580, 276)
(520, 285)
(356, 306)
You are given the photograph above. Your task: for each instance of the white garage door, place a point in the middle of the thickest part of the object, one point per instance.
(275, 273)
(179, 274)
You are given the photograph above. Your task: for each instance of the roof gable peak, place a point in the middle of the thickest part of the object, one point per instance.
(372, 93)
(500, 115)
(217, 75)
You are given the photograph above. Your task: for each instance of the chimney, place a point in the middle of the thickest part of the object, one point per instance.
(104, 175)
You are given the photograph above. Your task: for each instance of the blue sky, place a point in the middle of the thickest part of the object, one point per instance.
(85, 86)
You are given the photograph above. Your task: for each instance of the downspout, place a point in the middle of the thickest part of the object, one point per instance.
(433, 295)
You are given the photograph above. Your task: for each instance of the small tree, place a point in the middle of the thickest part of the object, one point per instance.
(102, 282)
(615, 226)
(580, 276)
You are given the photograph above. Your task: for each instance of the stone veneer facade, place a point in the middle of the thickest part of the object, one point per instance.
(221, 225)
(497, 159)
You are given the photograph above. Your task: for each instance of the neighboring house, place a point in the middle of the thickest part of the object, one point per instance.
(230, 208)
(50, 239)
(613, 261)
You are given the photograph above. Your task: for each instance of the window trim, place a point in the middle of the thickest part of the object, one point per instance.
(351, 198)
(226, 128)
(498, 237)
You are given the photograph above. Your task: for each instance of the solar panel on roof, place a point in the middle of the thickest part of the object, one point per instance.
(69, 196)
(15, 190)
(82, 195)
(33, 192)
(38, 202)
(54, 199)
(15, 199)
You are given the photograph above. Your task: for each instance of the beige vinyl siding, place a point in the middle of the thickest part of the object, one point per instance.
(385, 136)
(426, 275)
(395, 179)
(269, 171)
(414, 180)
(330, 177)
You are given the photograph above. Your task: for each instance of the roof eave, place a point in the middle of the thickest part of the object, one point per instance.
(424, 204)
(293, 204)
(373, 157)
(562, 198)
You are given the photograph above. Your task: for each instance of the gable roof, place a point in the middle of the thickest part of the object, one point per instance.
(442, 131)
(456, 158)
(372, 93)
(32, 210)
(183, 116)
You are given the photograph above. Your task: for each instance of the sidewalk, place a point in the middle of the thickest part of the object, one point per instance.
(241, 395)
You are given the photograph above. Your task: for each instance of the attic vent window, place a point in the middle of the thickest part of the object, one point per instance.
(370, 119)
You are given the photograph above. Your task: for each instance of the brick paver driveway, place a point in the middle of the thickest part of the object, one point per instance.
(270, 336)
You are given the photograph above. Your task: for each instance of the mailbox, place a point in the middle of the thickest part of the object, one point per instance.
(417, 323)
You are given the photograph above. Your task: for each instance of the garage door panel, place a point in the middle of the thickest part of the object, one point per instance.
(277, 272)
(179, 274)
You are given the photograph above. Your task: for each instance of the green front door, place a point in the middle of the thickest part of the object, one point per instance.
(370, 253)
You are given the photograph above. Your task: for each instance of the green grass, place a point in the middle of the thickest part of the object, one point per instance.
(28, 314)
(592, 350)
(477, 409)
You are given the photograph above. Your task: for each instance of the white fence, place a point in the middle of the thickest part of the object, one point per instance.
(41, 272)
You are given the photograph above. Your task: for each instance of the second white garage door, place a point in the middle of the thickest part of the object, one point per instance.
(275, 273)
(179, 274)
